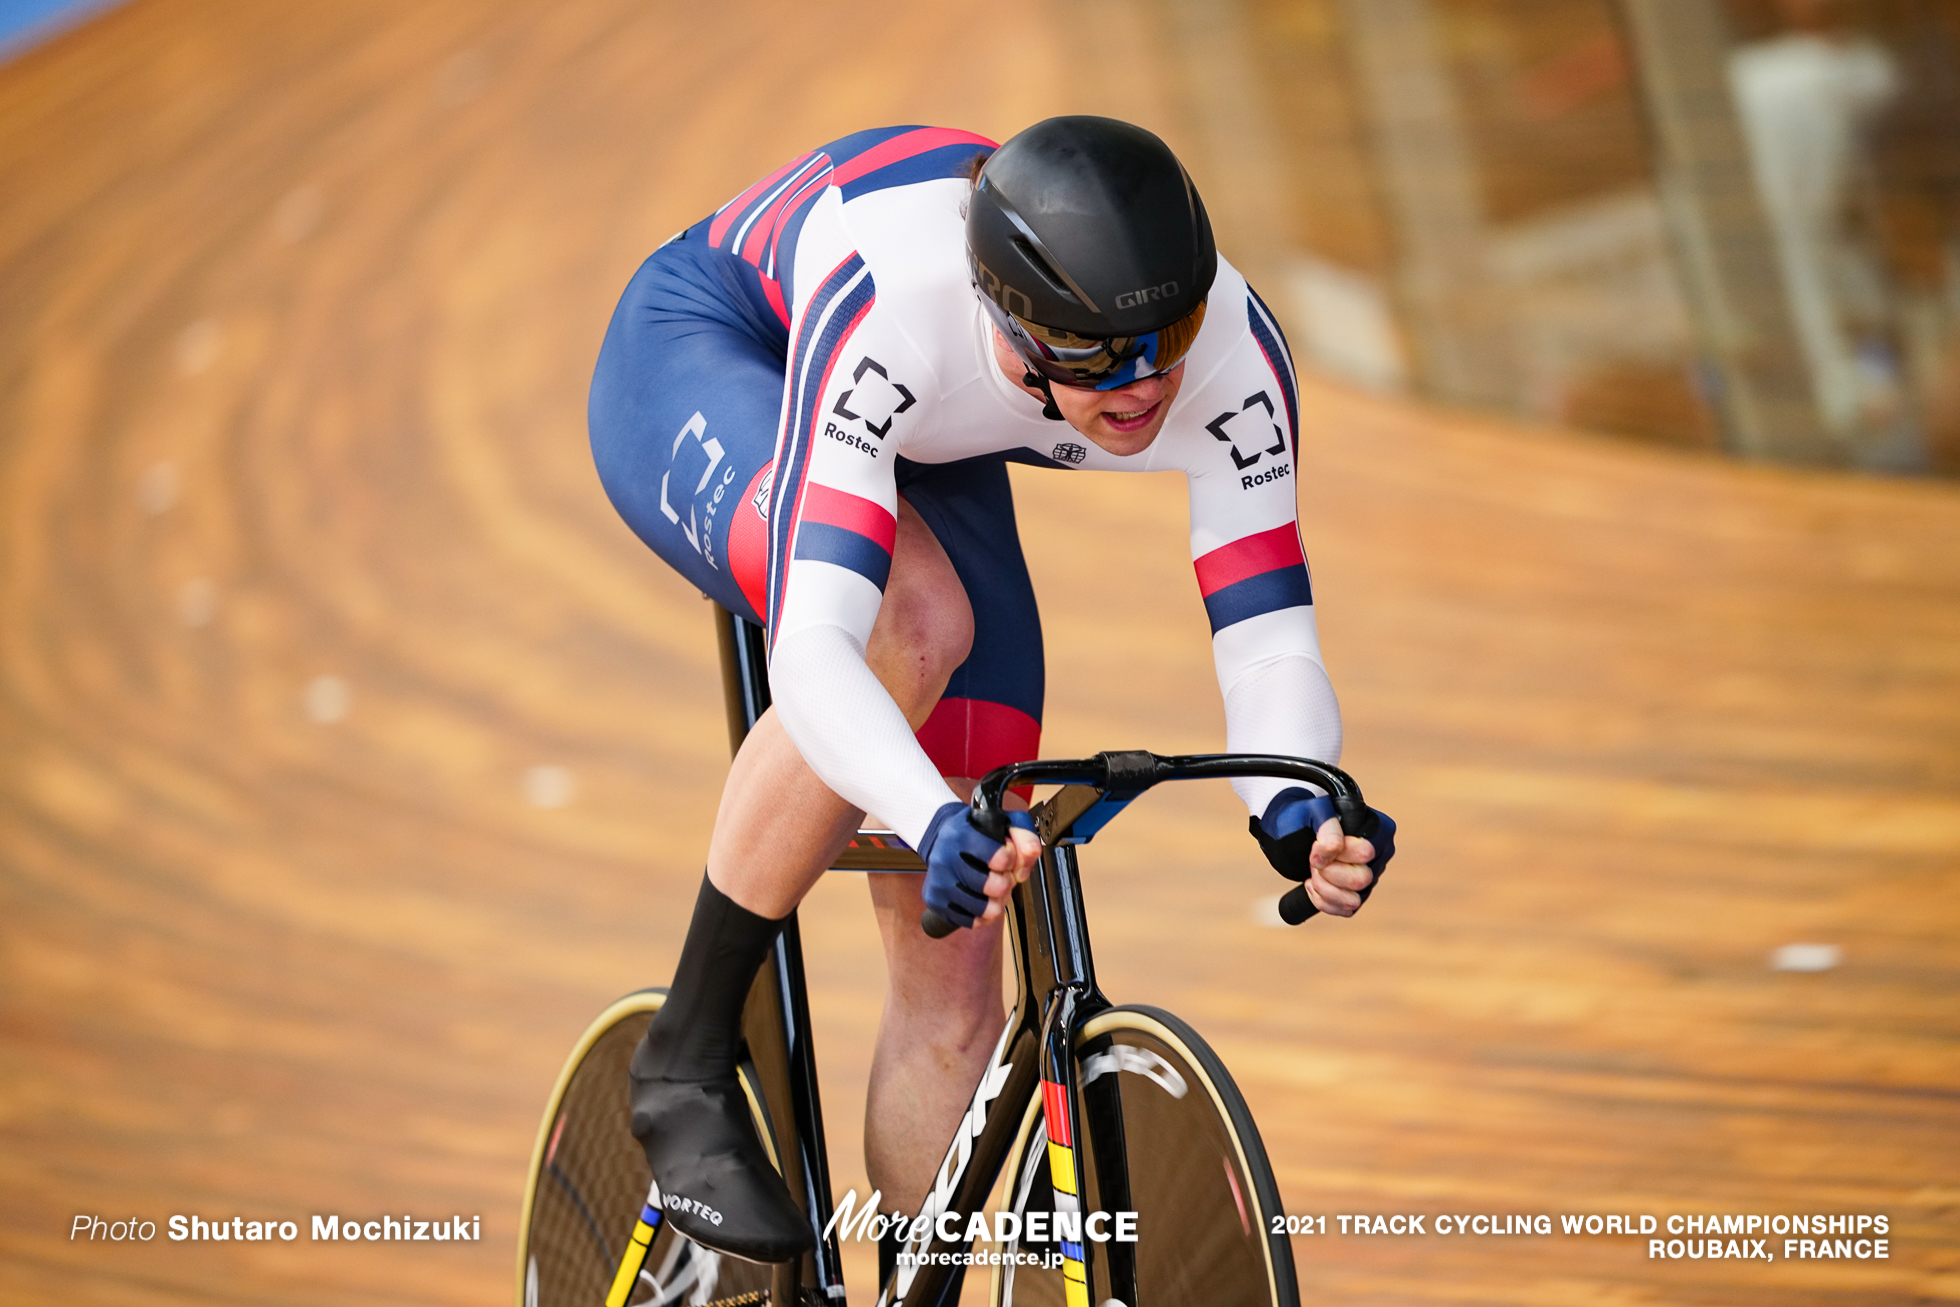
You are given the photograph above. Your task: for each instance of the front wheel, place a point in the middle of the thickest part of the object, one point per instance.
(1169, 1138)
(589, 1179)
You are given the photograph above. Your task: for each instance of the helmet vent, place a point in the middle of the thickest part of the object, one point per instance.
(1039, 262)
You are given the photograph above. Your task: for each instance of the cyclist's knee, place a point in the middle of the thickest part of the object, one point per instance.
(924, 629)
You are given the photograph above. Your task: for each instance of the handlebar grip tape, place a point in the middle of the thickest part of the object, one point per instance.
(1295, 907)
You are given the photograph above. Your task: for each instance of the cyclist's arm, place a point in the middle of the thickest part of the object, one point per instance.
(832, 530)
(1278, 697)
(1251, 569)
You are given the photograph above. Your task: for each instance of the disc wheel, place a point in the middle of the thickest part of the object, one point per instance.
(589, 1180)
(1168, 1137)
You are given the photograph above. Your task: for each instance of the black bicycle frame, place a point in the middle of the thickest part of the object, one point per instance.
(776, 1018)
(1048, 931)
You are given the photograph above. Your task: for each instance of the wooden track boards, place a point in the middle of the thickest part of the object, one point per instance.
(299, 307)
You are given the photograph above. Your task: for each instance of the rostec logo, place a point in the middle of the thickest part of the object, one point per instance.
(1129, 299)
(1067, 452)
(698, 527)
(876, 402)
(1247, 428)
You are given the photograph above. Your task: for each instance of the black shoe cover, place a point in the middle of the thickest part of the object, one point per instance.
(716, 1184)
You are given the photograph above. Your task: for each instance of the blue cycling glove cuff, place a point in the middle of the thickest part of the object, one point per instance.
(1286, 830)
(1296, 809)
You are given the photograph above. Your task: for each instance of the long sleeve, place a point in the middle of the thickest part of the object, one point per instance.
(1266, 647)
(1251, 569)
(832, 529)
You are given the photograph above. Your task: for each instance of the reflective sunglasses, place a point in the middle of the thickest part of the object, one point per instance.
(1095, 363)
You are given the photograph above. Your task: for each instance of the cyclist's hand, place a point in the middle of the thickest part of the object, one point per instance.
(1011, 864)
(968, 875)
(1340, 869)
(1302, 838)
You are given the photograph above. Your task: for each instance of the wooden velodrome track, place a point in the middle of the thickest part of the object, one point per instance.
(297, 309)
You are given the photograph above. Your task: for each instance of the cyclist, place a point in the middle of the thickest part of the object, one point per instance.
(805, 404)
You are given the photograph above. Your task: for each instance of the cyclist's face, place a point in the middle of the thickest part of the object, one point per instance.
(1122, 421)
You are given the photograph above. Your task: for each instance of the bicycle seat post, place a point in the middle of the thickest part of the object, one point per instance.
(744, 673)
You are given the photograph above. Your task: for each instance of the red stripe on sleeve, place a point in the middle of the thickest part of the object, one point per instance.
(766, 224)
(737, 206)
(1254, 554)
(904, 147)
(796, 493)
(832, 507)
(794, 198)
(772, 290)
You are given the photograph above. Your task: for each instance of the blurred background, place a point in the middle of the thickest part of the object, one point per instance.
(353, 753)
(1725, 223)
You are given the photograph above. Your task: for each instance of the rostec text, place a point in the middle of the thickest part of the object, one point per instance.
(1273, 473)
(850, 438)
(708, 518)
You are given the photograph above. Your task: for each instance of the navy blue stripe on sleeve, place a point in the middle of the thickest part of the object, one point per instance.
(1272, 343)
(1283, 587)
(825, 543)
(933, 165)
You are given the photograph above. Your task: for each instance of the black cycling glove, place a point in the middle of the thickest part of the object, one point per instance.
(1286, 834)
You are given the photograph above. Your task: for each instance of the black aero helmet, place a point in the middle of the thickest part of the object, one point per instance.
(1091, 251)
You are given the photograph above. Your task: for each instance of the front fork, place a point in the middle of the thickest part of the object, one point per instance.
(978, 1149)
(1062, 1115)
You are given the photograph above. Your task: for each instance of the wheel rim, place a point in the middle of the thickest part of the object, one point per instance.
(589, 1179)
(1201, 1221)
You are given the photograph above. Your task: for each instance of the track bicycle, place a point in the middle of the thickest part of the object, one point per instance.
(1104, 1120)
